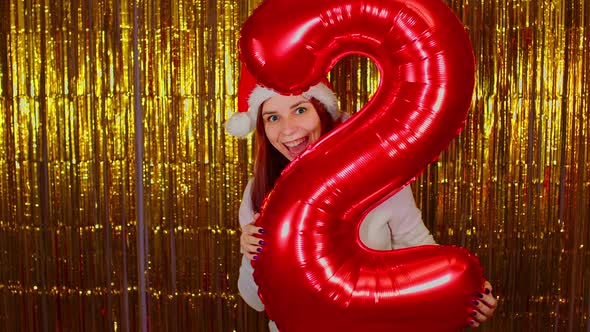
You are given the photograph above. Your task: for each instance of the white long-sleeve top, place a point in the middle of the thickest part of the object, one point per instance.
(396, 223)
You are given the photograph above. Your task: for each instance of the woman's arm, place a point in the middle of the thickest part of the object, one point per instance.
(406, 225)
(246, 285)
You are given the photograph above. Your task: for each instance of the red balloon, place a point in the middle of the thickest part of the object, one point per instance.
(315, 274)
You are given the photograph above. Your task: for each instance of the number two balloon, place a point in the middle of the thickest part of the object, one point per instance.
(315, 274)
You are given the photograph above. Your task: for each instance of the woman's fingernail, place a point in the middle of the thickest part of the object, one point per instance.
(261, 231)
(480, 295)
(255, 257)
(474, 313)
(259, 249)
(471, 322)
(488, 291)
(475, 302)
(261, 242)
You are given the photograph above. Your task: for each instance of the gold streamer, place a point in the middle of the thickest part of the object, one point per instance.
(514, 187)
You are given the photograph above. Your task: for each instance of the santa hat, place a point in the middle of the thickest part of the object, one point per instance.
(251, 95)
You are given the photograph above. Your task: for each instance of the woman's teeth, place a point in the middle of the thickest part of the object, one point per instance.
(296, 147)
(296, 142)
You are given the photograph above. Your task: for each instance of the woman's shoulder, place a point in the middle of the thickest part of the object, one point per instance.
(247, 190)
(246, 213)
(249, 184)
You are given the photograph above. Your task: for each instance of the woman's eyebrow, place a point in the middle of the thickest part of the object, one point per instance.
(299, 103)
(269, 112)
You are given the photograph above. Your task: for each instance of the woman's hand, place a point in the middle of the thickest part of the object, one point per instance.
(250, 242)
(483, 306)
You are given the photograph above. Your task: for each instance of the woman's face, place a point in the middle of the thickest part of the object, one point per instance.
(291, 124)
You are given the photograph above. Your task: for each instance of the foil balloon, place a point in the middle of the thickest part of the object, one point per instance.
(315, 273)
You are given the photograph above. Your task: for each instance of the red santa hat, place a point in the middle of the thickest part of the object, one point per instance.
(251, 95)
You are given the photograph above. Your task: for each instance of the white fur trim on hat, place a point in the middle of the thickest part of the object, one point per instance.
(326, 97)
(241, 124)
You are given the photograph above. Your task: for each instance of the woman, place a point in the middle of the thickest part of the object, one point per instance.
(285, 127)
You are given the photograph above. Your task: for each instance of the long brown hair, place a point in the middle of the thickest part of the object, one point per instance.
(269, 162)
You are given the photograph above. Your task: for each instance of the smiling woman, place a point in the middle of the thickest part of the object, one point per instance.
(291, 124)
(296, 123)
(256, 104)
(287, 126)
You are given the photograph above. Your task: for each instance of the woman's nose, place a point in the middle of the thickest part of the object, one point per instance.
(289, 125)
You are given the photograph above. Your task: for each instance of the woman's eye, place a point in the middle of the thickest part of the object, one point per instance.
(300, 110)
(272, 118)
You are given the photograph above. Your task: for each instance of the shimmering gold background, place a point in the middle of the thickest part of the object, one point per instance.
(79, 242)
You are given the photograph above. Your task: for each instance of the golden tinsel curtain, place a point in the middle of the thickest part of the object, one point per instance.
(119, 188)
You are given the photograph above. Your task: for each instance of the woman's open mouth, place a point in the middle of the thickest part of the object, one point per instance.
(295, 147)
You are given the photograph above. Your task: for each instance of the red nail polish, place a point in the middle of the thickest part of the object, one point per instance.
(259, 249)
(255, 257)
(488, 291)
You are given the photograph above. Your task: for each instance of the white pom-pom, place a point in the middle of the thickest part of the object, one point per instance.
(239, 124)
